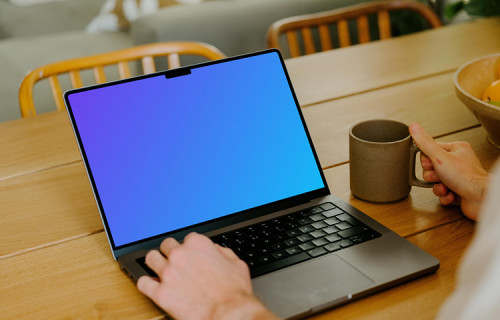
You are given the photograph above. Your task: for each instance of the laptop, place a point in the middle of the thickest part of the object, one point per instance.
(222, 148)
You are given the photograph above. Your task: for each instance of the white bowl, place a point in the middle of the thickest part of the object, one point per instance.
(471, 80)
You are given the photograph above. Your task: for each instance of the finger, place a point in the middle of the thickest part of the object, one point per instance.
(430, 176)
(147, 285)
(425, 162)
(156, 261)
(440, 190)
(228, 253)
(447, 199)
(425, 142)
(167, 245)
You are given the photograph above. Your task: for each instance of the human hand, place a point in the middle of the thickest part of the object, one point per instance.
(201, 280)
(460, 178)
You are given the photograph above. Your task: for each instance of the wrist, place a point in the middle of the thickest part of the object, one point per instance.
(477, 193)
(244, 307)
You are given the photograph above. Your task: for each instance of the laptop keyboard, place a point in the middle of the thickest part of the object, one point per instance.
(290, 239)
(287, 240)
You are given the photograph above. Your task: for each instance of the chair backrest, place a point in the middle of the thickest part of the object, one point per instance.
(300, 31)
(146, 54)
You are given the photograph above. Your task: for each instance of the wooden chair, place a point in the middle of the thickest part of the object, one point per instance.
(322, 23)
(121, 58)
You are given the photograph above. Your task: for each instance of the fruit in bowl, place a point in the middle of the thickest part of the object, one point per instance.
(492, 93)
(472, 81)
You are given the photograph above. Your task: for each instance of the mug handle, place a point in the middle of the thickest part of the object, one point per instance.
(414, 181)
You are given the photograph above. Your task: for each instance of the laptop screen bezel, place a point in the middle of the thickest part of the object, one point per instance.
(214, 224)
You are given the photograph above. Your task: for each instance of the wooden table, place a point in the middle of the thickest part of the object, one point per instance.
(54, 257)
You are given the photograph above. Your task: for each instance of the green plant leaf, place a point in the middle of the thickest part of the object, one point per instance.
(484, 8)
(452, 9)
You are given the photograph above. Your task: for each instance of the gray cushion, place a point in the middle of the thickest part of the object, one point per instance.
(18, 56)
(44, 18)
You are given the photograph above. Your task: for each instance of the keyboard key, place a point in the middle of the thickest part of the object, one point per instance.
(317, 252)
(263, 251)
(332, 247)
(293, 250)
(292, 242)
(249, 255)
(317, 217)
(331, 221)
(307, 229)
(352, 231)
(294, 233)
(348, 218)
(344, 217)
(252, 263)
(277, 237)
(305, 237)
(330, 230)
(333, 212)
(343, 225)
(266, 259)
(318, 234)
(315, 210)
(291, 225)
(333, 238)
(279, 264)
(238, 250)
(319, 225)
(268, 241)
(319, 242)
(305, 221)
(251, 246)
(345, 243)
(327, 206)
(278, 246)
(279, 255)
(277, 228)
(307, 246)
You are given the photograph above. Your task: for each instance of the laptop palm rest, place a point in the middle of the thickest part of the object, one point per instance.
(323, 282)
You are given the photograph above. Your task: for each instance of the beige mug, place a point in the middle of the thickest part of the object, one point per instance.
(382, 161)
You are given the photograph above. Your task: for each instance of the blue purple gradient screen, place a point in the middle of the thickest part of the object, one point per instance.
(169, 153)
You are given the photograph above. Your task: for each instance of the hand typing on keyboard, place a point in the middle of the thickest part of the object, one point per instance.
(201, 280)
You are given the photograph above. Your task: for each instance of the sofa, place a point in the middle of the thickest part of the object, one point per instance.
(54, 30)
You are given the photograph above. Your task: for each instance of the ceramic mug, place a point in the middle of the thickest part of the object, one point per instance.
(382, 161)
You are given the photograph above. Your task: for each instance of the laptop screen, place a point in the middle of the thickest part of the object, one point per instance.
(166, 152)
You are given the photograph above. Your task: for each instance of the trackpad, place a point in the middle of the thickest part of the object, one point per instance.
(300, 288)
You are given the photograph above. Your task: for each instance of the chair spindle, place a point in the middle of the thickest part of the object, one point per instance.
(363, 29)
(325, 38)
(308, 40)
(76, 79)
(124, 70)
(343, 30)
(384, 24)
(99, 75)
(148, 64)
(55, 87)
(293, 43)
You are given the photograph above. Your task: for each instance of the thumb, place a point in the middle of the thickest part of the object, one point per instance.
(424, 141)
